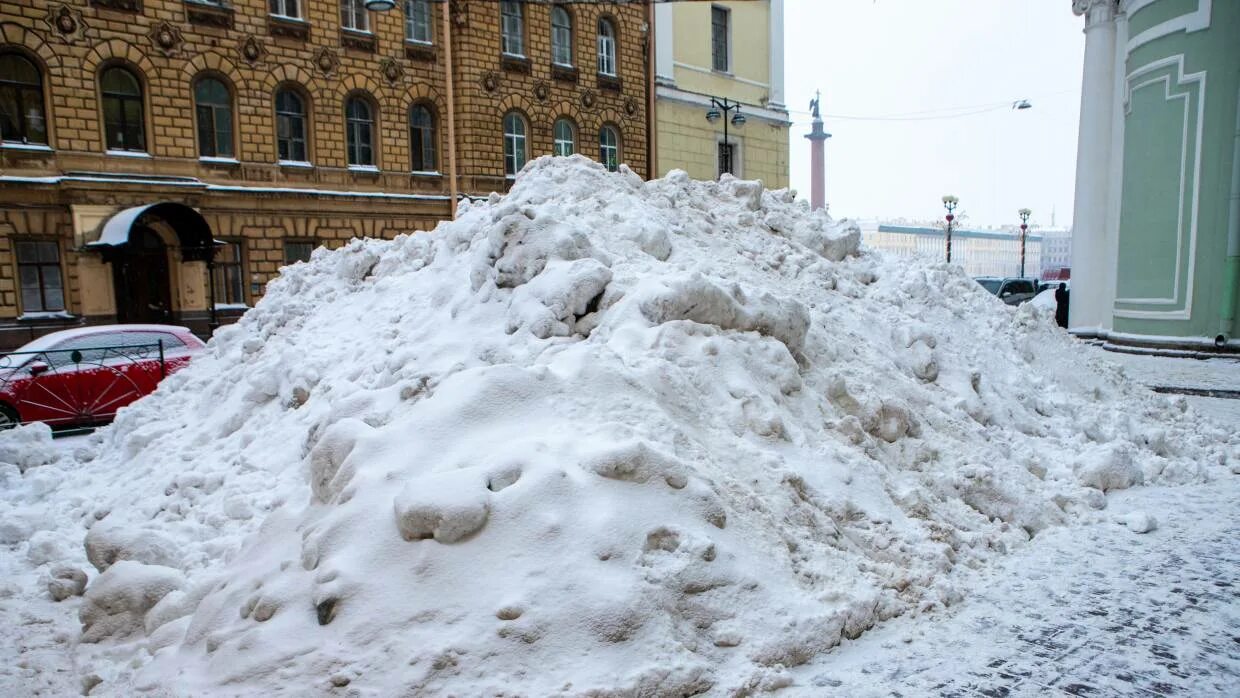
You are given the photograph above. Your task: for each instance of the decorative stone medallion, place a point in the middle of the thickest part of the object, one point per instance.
(166, 38)
(326, 61)
(391, 70)
(67, 22)
(588, 99)
(542, 90)
(630, 106)
(251, 49)
(490, 81)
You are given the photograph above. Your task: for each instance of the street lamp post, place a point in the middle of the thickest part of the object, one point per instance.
(720, 108)
(1024, 214)
(949, 203)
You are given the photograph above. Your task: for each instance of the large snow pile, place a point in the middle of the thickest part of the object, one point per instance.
(598, 436)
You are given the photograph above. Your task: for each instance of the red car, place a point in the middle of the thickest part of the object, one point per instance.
(81, 377)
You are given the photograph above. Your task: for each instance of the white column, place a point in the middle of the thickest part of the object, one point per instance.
(664, 56)
(1115, 173)
(1089, 301)
(776, 19)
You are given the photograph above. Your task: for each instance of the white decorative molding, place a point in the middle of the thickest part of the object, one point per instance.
(1196, 132)
(777, 118)
(1194, 21)
(725, 76)
(664, 44)
(776, 39)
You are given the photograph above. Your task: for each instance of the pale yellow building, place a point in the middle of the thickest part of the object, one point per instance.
(733, 50)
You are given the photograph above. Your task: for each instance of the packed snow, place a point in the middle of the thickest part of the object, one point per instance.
(598, 436)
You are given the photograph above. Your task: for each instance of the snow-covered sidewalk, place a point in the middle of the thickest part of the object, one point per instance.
(1082, 610)
(1219, 374)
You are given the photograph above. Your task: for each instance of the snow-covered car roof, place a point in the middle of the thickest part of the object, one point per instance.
(48, 341)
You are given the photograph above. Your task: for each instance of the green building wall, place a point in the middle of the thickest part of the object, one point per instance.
(1174, 274)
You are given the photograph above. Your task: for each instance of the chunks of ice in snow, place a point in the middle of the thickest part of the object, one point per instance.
(64, 581)
(28, 446)
(327, 479)
(701, 300)
(552, 302)
(1137, 521)
(110, 540)
(1109, 467)
(449, 506)
(117, 601)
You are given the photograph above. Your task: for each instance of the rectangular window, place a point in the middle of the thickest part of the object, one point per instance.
(285, 8)
(727, 158)
(215, 131)
(297, 251)
(418, 21)
(229, 280)
(38, 270)
(512, 29)
(719, 20)
(353, 15)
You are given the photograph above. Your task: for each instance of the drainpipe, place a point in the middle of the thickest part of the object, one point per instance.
(1231, 274)
(451, 89)
(652, 169)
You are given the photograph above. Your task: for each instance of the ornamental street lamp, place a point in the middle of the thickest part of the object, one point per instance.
(949, 203)
(1024, 214)
(719, 108)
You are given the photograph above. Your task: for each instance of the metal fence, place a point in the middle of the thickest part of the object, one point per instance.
(79, 386)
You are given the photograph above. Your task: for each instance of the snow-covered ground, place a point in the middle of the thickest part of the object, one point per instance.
(1087, 610)
(597, 437)
(1222, 373)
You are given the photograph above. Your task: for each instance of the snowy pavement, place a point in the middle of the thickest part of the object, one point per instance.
(1088, 610)
(1219, 374)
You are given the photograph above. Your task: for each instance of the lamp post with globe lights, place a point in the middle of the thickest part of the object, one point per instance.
(1024, 214)
(719, 108)
(949, 203)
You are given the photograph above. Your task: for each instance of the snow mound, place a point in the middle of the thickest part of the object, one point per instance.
(596, 437)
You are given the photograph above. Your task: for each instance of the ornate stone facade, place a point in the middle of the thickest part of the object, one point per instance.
(70, 177)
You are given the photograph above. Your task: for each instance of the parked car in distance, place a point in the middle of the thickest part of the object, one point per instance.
(1012, 291)
(81, 377)
(1052, 283)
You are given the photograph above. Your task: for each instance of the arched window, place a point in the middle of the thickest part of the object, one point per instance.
(422, 138)
(609, 147)
(291, 126)
(123, 123)
(213, 107)
(21, 100)
(561, 36)
(514, 143)
(565, 137)
(360, 132)
(606, 47)
(512, 27)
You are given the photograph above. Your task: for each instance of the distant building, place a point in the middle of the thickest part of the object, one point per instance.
(1156, 245)
(980, 252)
(1056, 253)
(731, 49)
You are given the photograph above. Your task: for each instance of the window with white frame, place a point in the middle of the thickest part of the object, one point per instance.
(609, 148)
(565, 137)
(561, 36)
(418, 21)
(38, 271)
(514, 143)
(353, 15)
(285, 8)
(512, 27)
(720, 30)
(359, 132)
(606, 47)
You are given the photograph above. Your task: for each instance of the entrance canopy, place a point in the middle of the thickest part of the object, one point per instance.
(191, 228)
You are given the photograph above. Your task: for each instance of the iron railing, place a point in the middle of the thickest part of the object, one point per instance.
(78, 387)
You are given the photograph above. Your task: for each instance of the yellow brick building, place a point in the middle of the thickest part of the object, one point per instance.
(731, 49)
(136, 133)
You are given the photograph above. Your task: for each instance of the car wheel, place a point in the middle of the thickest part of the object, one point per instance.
(8, 417)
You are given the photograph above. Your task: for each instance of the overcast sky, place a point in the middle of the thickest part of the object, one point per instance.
(892, 58)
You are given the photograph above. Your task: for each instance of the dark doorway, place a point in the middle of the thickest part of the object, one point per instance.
(140, 277)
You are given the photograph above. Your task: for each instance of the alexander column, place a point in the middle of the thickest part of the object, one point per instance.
(818, 158)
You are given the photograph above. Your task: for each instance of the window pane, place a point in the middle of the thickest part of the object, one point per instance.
(29, 276)
(32, 302)
(48, 252)
(206, 132)
(19, 69)
(719, 38)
